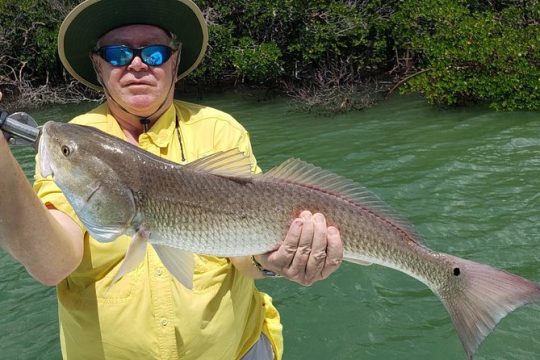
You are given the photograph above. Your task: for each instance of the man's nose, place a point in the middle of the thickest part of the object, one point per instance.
(137, 64)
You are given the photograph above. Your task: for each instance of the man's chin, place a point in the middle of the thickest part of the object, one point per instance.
(142, 103)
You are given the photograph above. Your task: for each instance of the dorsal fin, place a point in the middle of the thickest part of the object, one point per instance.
(305, 174)
(230, 163)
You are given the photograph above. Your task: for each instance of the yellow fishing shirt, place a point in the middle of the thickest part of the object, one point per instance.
(148, 314)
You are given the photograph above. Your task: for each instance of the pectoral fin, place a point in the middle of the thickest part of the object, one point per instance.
(134, 255)
(179, 263)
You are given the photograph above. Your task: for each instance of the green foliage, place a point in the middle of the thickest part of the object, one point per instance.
(217, 62)
(329, 28)
(257, 63)
(300, 36)
(453, 51)
(473, 52)
(239, 59)
(28, 34)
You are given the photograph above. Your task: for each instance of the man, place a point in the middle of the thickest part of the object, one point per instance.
(135, 51)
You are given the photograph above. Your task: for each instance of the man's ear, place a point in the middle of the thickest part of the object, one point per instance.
(177, 65)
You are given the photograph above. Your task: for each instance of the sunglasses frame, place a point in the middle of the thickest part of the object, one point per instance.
(135, 52)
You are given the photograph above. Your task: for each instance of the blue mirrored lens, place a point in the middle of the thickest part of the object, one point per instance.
(117, 55)
(121, 55)
(155, 55)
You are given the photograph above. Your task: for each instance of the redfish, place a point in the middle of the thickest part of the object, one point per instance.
(216, 206)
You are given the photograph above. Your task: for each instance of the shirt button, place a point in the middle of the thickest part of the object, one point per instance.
(164, 322)
(158, 272)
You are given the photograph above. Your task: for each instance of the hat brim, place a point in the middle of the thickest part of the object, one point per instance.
(88, 21)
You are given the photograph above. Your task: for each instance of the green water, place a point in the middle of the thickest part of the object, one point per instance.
(468, 179)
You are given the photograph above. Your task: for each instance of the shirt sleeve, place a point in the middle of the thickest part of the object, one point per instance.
(244, 145)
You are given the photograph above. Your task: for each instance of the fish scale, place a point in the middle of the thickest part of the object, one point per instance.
(215, 206)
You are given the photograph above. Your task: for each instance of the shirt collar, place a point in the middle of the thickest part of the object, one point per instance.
(160, 134)
(162, 131)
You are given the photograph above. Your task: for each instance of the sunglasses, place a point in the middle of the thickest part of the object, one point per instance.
(122, 55)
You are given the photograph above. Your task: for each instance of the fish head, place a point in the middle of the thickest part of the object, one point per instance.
(83, 162)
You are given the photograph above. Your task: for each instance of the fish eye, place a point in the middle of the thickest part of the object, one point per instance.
(65, 150)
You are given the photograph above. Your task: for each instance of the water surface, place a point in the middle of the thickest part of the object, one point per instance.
(468, 179)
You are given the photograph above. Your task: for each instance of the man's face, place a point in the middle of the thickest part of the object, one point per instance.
(138, 87)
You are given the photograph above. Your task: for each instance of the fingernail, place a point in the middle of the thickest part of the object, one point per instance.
(332, 230)
(319, 218)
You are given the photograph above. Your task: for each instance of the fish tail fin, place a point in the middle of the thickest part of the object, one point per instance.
(484, 296)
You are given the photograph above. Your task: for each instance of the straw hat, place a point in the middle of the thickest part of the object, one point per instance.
(91, 19)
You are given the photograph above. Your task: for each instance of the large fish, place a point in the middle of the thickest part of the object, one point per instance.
(215, 206)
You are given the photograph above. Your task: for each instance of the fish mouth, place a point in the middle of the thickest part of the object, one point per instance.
(45, 168)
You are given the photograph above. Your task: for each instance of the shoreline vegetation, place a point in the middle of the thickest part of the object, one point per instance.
(328, 56)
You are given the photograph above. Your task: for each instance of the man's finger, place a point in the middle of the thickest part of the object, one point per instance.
(334, 252)
(283, 256)
(299, 262)
(317, 257)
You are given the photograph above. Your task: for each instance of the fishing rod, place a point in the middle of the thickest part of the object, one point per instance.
(21, 129)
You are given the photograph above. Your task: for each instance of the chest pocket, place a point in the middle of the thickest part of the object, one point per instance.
(125, 288)
(93, 278)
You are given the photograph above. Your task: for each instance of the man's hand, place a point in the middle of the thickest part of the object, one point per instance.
(310, 252)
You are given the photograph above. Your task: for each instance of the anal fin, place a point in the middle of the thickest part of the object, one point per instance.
(358, 261)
